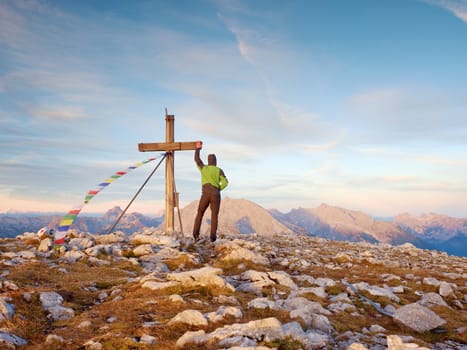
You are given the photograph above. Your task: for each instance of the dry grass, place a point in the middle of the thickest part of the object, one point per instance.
(119, 321)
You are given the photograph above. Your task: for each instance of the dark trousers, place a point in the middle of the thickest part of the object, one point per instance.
(211, 196)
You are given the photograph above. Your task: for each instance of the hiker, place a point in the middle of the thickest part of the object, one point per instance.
(213, 181)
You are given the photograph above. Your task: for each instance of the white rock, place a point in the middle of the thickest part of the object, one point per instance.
(198, 337)
(6, 310)
(154, 285)
(148, 339)
(396, 343)
(305, 305)
(257, 281)
(445, 289)
(377, 291)
(26, 254)
(50, 299)
(224, 299)
(417, 318)
(263, 303)
(294, 330)
(318, 291)
(57, 313)
(377, 329)
(175, 298)
(81, 243)
(241, 254)
(398, 289)
(313, 321)
(267, 329)
(431, 299)
(344, 297)
(73, 256)
(430, 281)
(45, 245)
(11, 341)
(111, 238)
(53, 339)
(93, 345)
(189, 317)
(340, 307)
(156, 239)
(143, 249)
(27, 297)
(282, 278)
(222, 312)
(84, 324)
(203, 277)
(10, 285)
(325, 282)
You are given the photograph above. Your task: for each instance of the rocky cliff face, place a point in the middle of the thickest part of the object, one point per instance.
(279, 291)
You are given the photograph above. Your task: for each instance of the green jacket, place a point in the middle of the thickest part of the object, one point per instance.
(211, 174)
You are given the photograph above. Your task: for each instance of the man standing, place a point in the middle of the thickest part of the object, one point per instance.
(213, 181)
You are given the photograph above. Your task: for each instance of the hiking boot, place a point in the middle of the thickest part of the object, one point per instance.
(213, 238)
(196, 238)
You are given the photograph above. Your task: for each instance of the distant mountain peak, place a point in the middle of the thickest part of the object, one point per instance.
(113, 213)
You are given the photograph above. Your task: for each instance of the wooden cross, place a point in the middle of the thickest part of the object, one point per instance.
(169, 146)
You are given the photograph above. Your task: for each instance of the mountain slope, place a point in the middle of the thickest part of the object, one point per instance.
(344, 224)
(235, 216)
(436, 231)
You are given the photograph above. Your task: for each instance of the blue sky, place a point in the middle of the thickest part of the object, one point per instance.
(359, 104)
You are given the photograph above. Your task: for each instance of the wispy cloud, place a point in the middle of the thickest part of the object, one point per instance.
(457, 7)
(408, 114)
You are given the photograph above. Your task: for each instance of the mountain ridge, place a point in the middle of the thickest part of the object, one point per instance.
(241, 216)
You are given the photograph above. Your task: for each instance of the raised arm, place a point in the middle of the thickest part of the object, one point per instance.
(198, 160)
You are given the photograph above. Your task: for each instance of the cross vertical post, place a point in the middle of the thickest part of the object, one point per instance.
(170, 146)
(169, 175)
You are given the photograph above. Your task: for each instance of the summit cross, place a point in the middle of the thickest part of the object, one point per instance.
(169, 146)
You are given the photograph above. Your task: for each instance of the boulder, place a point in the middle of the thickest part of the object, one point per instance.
(143, 249)
(203, 277)
(417, 318)
(431, 299)
(267, 329)
(189, 317)
(222, 312)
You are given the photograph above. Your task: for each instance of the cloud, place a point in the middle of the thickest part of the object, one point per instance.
(438, 157)
(394, 114)
(456, 7)
(254, 108)
(65, 113)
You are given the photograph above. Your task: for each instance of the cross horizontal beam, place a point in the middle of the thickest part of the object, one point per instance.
(168, 146)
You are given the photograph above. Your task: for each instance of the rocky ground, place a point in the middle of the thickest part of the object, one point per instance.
(152, 291)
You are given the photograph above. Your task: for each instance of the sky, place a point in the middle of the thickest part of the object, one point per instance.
(358, 104)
